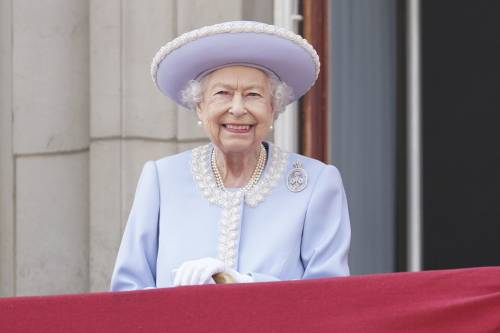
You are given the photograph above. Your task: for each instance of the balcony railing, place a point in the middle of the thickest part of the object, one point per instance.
(464, 300)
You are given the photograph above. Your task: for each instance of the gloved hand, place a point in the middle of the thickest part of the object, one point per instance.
(200, 271)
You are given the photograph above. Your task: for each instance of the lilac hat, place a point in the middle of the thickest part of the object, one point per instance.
(276, 50)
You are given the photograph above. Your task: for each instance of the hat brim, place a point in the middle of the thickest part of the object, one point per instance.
(290, 62)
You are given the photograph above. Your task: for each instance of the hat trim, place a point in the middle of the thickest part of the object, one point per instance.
(233, 27)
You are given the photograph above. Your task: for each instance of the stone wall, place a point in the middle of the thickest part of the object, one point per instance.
(79, 116)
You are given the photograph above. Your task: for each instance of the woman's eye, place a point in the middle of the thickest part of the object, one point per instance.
(254, 94)
(221, 92)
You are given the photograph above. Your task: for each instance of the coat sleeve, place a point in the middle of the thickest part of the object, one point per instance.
(135, 266)
(327, 232)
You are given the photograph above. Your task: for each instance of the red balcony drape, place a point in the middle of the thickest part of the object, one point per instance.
(464, 300)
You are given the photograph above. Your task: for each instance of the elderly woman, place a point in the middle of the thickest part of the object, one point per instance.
(238, 205)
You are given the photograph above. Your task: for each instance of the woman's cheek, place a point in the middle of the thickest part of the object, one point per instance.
(214, 130)
(261, 130)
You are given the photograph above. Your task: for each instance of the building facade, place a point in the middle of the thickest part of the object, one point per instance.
(79, 117)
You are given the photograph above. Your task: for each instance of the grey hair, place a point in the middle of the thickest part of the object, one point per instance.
(282, 94)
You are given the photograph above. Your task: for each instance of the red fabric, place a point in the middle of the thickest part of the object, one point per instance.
(465, 300)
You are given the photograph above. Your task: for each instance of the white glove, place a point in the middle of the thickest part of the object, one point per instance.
(200, 271)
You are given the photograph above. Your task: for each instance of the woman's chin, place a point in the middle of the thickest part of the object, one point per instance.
(238, 145)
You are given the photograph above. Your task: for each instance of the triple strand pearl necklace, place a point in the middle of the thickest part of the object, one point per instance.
(259, 168)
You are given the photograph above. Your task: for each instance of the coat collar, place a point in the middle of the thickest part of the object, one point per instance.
(205, 180)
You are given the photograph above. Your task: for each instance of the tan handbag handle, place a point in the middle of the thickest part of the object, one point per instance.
(223, 278)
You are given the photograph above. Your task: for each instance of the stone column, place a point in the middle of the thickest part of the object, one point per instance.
(131, 121)
(50, 129)
(7, 253)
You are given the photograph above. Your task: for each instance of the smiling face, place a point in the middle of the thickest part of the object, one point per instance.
(236, 109)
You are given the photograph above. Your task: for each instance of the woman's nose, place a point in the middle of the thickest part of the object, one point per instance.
(237, 107)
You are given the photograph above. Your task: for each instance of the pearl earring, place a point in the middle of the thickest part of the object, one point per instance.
(271, 127)
(200, 123)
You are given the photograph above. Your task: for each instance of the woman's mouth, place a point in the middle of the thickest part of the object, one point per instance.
(237, 128)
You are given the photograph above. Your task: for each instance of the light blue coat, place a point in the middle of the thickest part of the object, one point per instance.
(271, 233)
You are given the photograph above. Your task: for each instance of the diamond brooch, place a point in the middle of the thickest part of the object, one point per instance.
(296, 180)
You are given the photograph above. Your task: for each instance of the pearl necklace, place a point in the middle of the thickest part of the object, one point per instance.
(259, 168)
